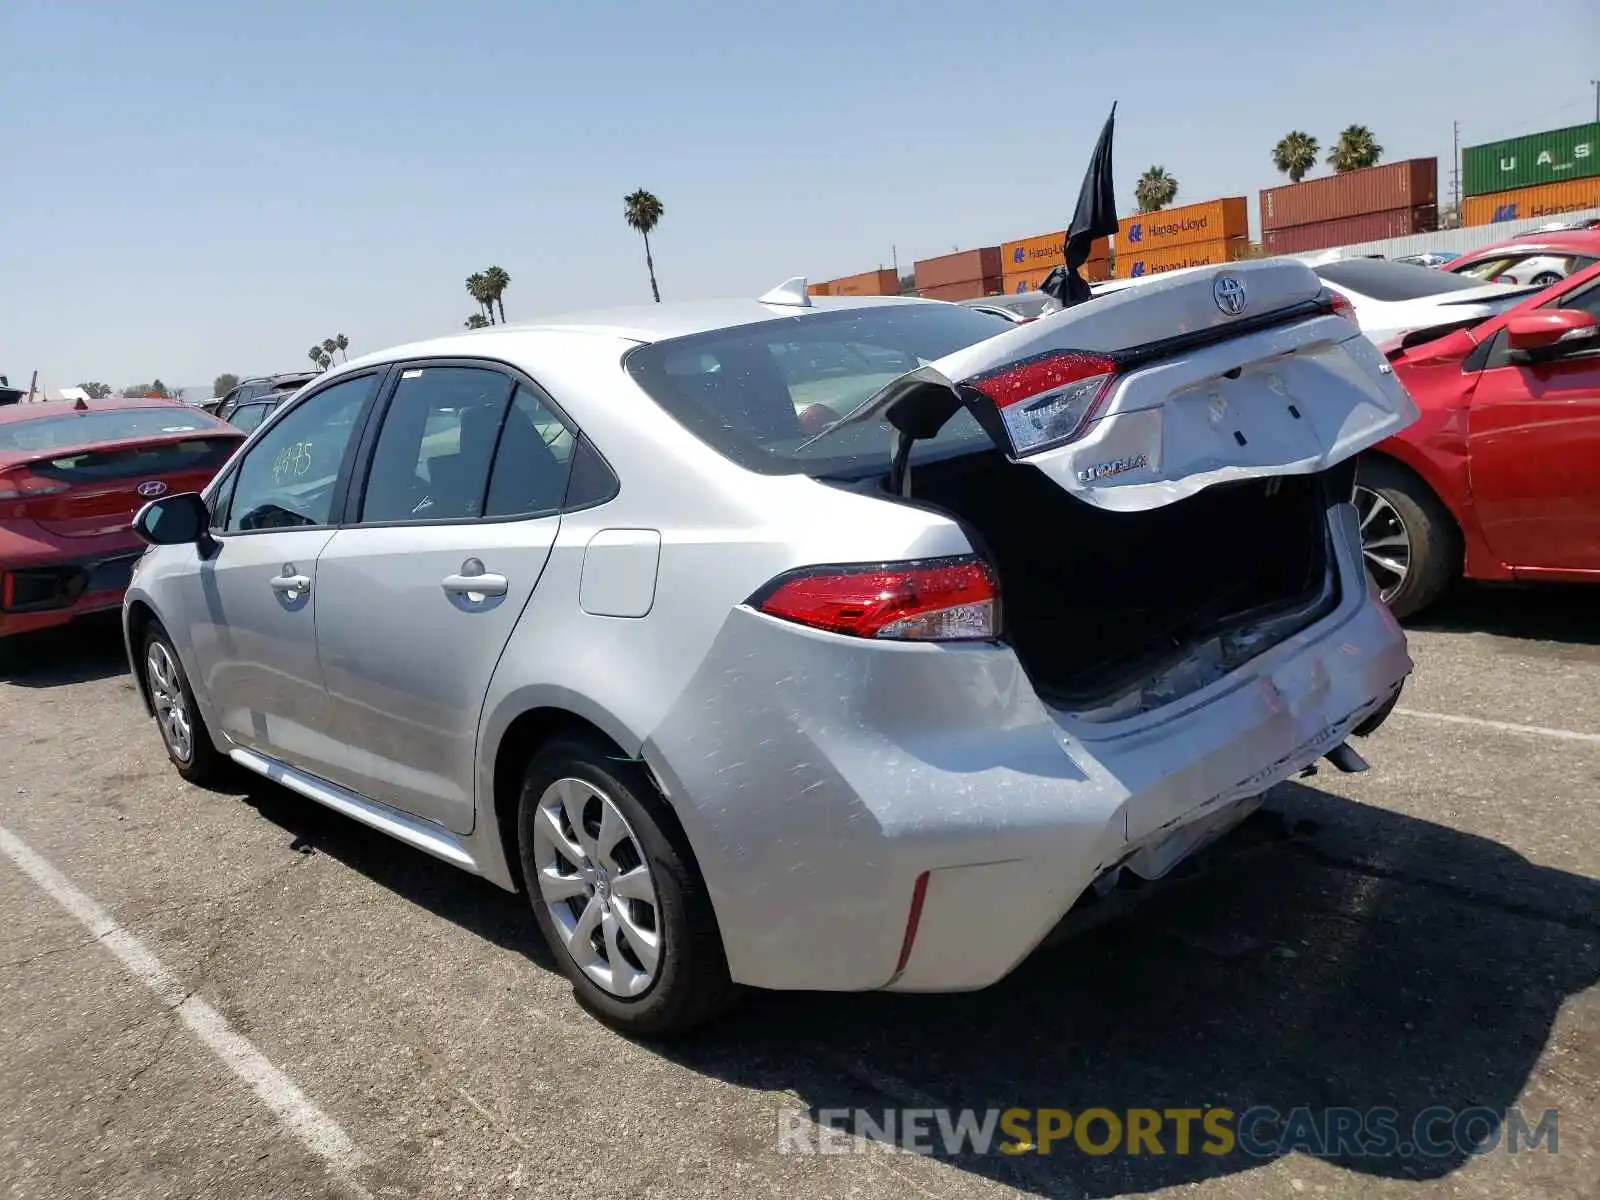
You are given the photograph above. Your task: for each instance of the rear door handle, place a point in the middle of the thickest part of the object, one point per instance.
(291, 583)
(481, 585)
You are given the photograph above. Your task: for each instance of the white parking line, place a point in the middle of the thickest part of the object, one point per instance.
(317, 1131)
(1565, 735)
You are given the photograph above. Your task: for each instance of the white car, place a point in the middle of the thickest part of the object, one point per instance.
(586, 608)
(1388, 300)
(1393, 299)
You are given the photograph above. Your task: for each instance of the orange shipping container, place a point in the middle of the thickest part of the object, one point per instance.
(1044, 250)
(1134, 264)
(882, 282)
(1013, 282)
(961, 267)
(817, 289)
(1210, 221)
(1541, 200)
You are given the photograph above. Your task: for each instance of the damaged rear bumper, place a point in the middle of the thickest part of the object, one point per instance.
(830, 787)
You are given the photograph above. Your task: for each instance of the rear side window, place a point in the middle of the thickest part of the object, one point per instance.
(104, 425)
(248, 416)
(533, 460)
(757, 393)
(436, 446)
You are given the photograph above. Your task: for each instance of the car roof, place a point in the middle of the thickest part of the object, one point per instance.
(643, 323)
(56, 408)
(1568, 241)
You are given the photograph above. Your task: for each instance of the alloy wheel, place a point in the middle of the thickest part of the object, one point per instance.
(1385, 542)
(172, 710)
(596, 885)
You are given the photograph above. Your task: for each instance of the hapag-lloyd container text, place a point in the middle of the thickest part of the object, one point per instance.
(1412, 183)
(882, 282)
(1520, 204)
(1209, 221)
(1173, 258)
(1095, 271)
(1554, 156)
(1043, 250)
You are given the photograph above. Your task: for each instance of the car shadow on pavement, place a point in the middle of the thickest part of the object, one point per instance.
(88, 649)
(1546, 612)
(474, 904)
(1328, 956)
(1331, 956)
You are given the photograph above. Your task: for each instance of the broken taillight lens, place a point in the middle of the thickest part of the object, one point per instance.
(1342, 307)
(20, 484)
(1047, 400)
(937, 600)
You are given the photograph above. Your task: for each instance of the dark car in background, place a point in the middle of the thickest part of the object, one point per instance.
(72, 476)
(249, 401)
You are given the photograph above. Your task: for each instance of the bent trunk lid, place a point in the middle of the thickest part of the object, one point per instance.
(1236, 373)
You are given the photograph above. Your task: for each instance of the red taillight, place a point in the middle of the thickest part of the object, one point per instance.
(19, 484)
(1047, 400)
(1342, 307)
(935, 601)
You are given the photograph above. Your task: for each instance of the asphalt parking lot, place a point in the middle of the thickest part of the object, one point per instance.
(1427, 934)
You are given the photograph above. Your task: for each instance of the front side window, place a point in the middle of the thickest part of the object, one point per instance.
(437, 443)
(287, 480)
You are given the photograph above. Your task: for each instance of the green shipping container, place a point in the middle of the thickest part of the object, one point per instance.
(1549, 157)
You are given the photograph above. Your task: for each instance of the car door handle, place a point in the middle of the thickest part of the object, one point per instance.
(481, 585)
(291, 583)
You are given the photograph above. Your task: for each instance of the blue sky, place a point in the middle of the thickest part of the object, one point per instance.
(195, 187)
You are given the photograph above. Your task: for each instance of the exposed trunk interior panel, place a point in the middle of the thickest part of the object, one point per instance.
(1095, 602)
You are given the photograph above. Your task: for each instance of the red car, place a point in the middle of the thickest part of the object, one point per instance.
(1539, 259)
(1499, 478)
(72, 476)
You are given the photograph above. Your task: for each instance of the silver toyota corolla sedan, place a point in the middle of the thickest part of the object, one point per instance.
(795, 642)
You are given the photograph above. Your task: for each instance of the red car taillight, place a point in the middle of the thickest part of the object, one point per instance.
(1342, 307)
(20, 484)
(939, 600)
(1047, 400)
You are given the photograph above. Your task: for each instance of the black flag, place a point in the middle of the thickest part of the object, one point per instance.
(1096, 217)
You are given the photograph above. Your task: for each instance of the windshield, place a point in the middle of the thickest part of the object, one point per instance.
(1377, 279)
(105, 425)
(756, 393)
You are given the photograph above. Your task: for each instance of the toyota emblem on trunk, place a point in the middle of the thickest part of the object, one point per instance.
(1228, 292)
(151, 488)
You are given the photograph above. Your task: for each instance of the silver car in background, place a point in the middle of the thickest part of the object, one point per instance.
(799, 643)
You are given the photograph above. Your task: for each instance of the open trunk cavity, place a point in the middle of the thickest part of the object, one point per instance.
(1097, 603)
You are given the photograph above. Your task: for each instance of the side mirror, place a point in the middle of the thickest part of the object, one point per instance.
(178, 520)
(1553, 329)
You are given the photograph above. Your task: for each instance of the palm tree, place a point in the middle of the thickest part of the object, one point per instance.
(477, 321)
(344, 345)
(1295, 154)
(478, 289)
(496, 281)
(642, 211)
(329, 348)
(1356, 148)
(319, 357)
(1155, 190)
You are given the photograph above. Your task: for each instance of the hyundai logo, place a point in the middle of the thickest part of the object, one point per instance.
(1228, 292)
(151, 488)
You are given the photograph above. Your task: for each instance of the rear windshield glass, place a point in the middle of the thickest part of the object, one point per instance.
(1377, 279)
(757, 393)
(105, 425)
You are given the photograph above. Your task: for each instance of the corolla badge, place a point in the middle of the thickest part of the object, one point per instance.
(1228, 292)
(151, 488)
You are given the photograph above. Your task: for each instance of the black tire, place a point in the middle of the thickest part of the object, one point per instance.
(1545, 279)
(1434, 540)
(203, 765)
(691, 985)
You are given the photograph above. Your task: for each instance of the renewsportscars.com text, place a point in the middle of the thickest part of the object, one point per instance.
(1259, 1132)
